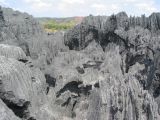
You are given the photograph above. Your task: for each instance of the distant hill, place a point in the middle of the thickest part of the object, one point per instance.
(58, 24)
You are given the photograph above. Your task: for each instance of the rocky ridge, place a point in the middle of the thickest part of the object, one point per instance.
(106, 68)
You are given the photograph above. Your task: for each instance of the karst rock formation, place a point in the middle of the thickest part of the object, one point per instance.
(105, 68)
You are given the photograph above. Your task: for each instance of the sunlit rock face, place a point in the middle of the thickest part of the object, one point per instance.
(12, 52)
(106, 68)
(22, 87)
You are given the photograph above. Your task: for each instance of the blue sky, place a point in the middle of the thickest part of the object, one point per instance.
(67, 8)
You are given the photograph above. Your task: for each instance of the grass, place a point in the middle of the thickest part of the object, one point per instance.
(53, 26)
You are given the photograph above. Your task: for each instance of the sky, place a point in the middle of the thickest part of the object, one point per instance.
(69, 8)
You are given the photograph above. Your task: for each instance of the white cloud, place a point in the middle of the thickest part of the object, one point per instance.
(131, 0)
(40, 5)
(107, 7)
(146, 7)
(73, 1)
(63, 8)
(71, 7)
(66, 5)
(138, 7)
(3, 2)
(98, 6)
(103, 8)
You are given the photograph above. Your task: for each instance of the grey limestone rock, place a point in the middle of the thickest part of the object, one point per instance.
(105, 68)
(22, 88)
(6, 113)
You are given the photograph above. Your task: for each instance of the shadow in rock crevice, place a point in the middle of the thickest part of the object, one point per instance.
(18, 106)
(75, 87)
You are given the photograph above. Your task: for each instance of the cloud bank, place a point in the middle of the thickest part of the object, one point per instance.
(66, 8)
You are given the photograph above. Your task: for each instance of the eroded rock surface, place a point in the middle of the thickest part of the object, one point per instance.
(22, 89)
(106, 68)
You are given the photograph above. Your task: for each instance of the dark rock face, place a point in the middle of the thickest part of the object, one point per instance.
(1, 17)
(81, 37)
(136, 40)
(106, 68)
(105, 32)
(80, 70)
(50, 80)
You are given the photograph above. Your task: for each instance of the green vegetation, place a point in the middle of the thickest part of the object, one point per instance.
(52, 25)
(58, 24)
